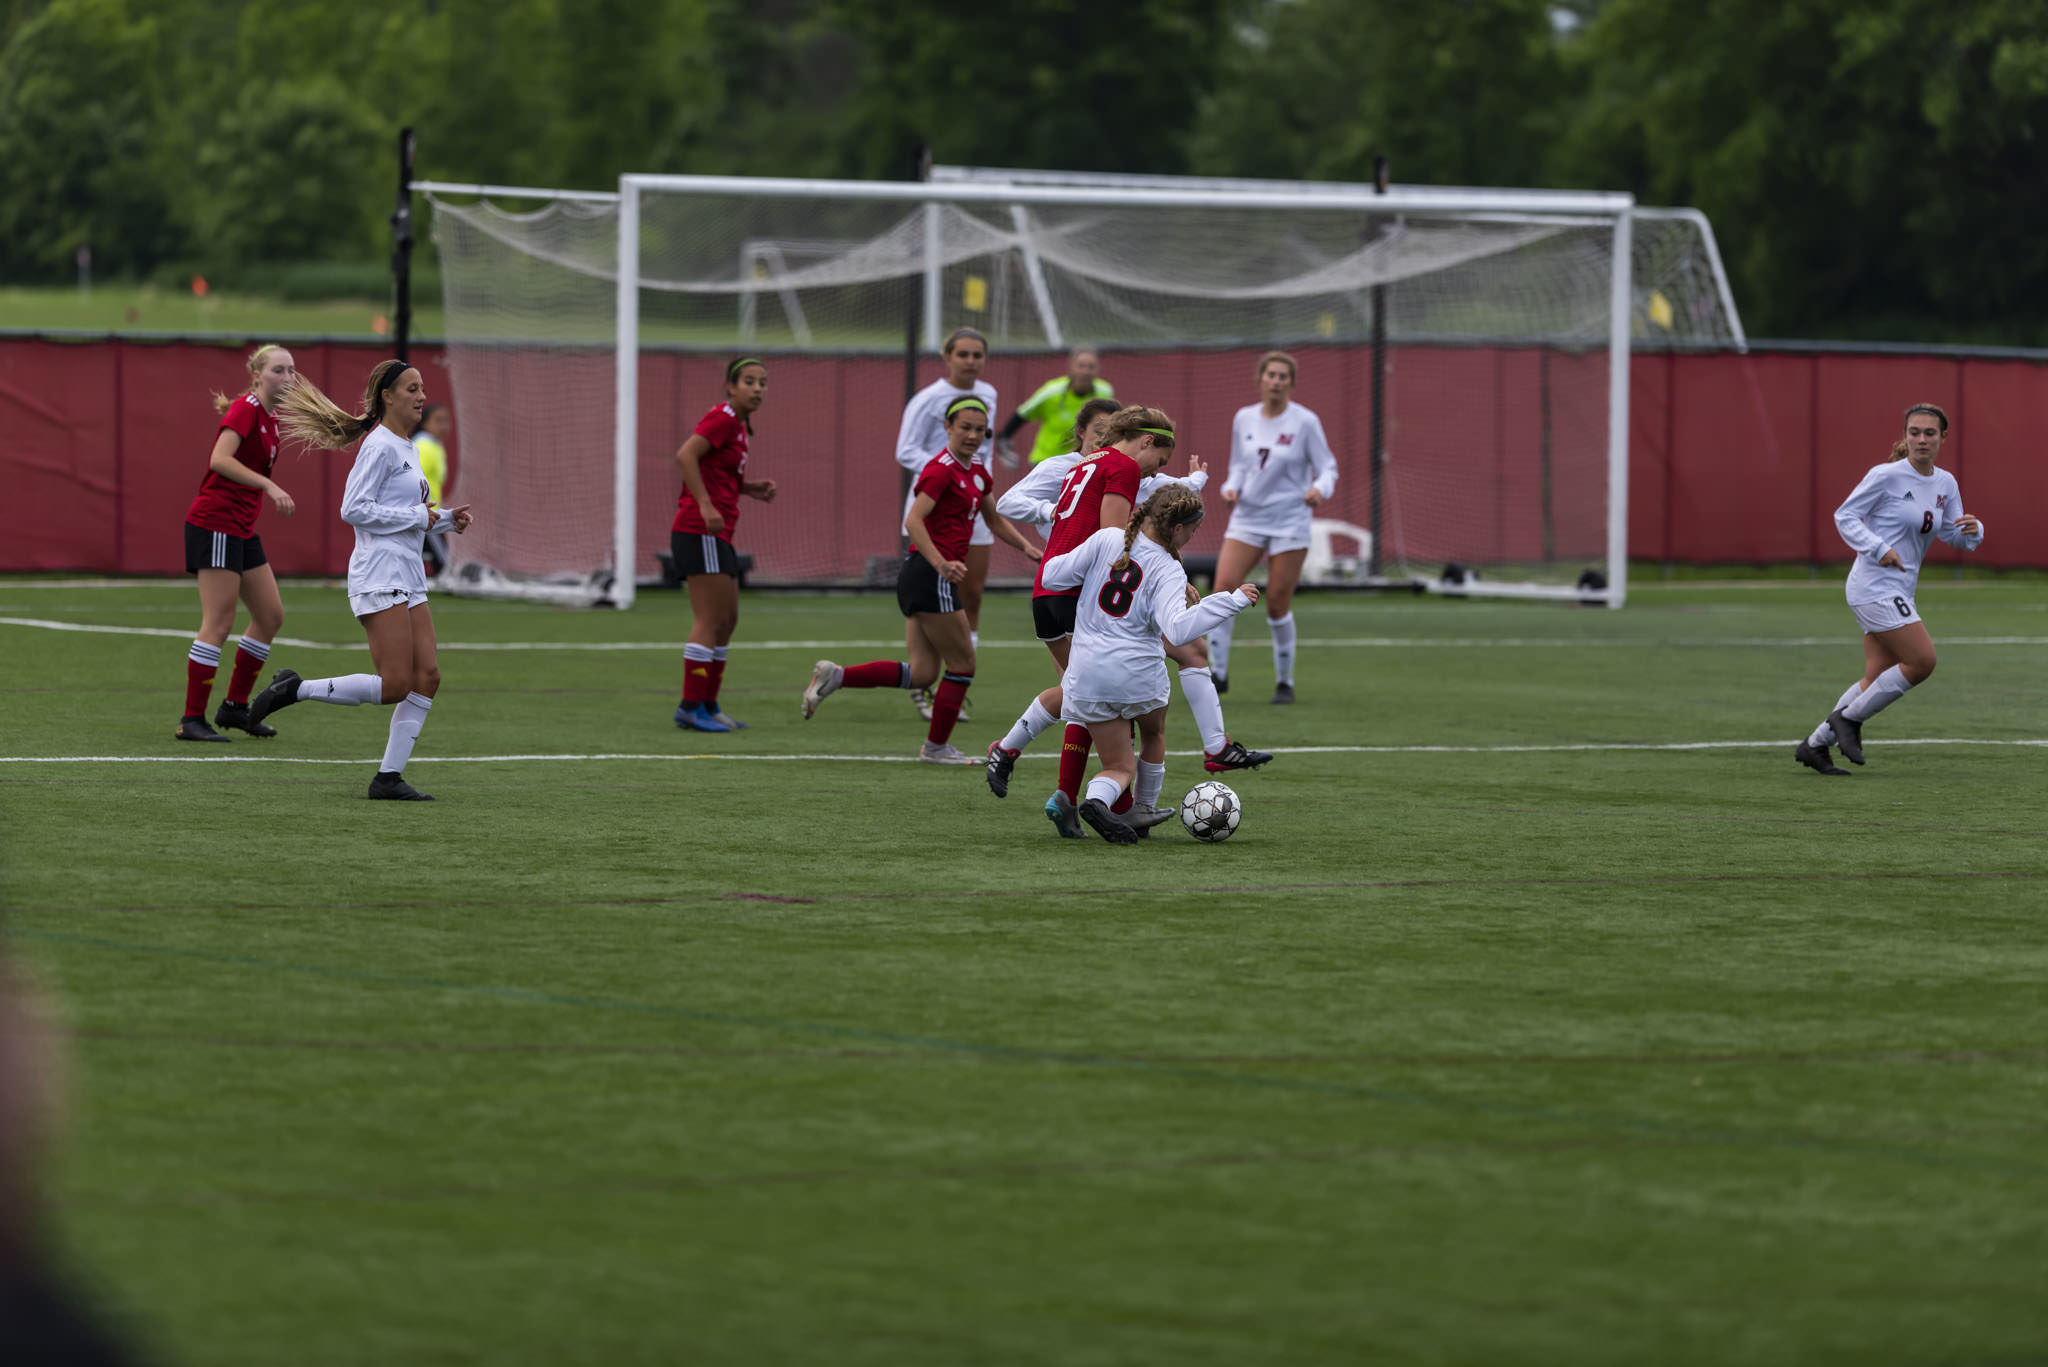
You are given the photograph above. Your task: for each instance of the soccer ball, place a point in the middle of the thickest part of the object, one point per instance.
(1210, 811)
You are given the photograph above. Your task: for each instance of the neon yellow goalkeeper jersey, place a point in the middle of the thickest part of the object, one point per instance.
(1054, 407)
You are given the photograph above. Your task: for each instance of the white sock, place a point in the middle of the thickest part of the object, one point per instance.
(1104, 787)
(1198, 686)
(1219, 648)
(203, 654)
(347, 690)
(1283, 648)
(1028, 726)
(1824, 734)
(406, 720)
(1151, 778)
(974, 639)
(719, 652)
(1885, 690)
(255, 650)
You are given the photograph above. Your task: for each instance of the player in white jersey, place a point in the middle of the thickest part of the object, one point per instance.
(386, 501)
(1281, 470)
(1032, 500)
(1133, 592)
(922, 432)
(1889, 520)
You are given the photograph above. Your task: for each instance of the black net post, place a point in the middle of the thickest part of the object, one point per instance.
(401, 250)
(920, 169)
(1376, 430)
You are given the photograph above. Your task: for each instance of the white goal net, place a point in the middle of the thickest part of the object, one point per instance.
(1504, 323)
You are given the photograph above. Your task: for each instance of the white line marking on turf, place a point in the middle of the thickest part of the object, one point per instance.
(1372, 642)
(913, 759)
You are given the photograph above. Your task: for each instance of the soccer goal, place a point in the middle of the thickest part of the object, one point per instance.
(1467, 350)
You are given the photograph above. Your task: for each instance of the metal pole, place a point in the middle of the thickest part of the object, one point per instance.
(401, 248)
(1377, 426)
(913, 320)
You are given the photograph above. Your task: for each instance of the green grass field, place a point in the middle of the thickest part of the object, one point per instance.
(1543, 1010)
(122, 307)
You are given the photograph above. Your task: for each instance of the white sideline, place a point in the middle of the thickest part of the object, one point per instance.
(912, 759)
(1326, 642)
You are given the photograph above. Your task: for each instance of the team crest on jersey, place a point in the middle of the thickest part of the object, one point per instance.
(1284, 439)
(1941, 500)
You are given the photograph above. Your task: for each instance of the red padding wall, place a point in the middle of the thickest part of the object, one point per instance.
(1732, 458)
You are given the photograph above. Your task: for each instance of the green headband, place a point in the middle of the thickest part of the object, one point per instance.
(969, 402)
(732, 371)
(1165, 432)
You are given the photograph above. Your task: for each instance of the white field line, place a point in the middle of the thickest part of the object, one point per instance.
(912, 759)
(1838, 639)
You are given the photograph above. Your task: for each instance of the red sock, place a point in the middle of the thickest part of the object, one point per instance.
(946, 706)
(711, 688)
(198, 687)
(247, 666)
(696, 681)
(1073, 760)
(876, 674)
(1124, 803)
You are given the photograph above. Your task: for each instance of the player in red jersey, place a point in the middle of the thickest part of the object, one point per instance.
(1098, 492)
(948, 494)
(224, 552)
(714, 463)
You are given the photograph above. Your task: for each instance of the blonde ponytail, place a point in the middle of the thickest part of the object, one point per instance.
(305, 414)
(1898, 450)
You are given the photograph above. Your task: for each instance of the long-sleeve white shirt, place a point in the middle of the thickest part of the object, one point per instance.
(1116, 656)
(385, 500)
(1034, 499)
(1897, 508)
(1274, 462)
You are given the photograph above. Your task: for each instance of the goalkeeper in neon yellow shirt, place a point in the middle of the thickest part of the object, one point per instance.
(1056, 404)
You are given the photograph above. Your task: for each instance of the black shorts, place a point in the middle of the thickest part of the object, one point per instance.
(207, 550)
(1053, 615)
(702, 553)
(919, 588)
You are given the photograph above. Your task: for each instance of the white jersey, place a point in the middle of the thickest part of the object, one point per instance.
(1896, 508)
(1273, 464)
(1116, 656)
(385, 500)
(1032, 498)
(924, 431)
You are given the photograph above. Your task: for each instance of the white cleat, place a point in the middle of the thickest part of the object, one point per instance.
(825, 678)
(1144, 818)
(921, 699)
(945, 754)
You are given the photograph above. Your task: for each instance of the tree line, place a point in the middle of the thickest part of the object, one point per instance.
(1872, 167)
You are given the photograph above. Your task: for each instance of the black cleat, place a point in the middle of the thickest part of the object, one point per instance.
(1222, 682)
(281, 691)
(236, 715)
(1283, 692)
(1235, 756)
(195, 728)
(1818, 760)
(393, 788)
(1848, 735)
(1000, 763)
(1107, 824)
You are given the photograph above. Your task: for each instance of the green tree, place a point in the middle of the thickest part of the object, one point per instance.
(80, 162)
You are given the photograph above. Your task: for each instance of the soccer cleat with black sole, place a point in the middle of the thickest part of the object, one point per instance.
(1283, 693)
(236, 715)
(1222, 682)
(388, 787)
(281, 691)
(1107, 824)
(998, 766)
(1817, 759)
(1848, 735)
(1235, 756)
(1059, 809)
(195, 728)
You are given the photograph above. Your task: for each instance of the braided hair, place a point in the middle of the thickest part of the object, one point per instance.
(1171, 507)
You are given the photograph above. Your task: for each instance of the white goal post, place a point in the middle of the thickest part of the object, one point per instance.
(1537, 289)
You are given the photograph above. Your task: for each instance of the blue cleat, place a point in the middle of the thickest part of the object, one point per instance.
(698, 719)
(730, 723)
(1060, 811)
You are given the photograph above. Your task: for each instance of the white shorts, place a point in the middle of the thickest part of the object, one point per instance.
(1885, 614)
(982, 535)
(1271, 542)
(1083, 711)
(377, 600)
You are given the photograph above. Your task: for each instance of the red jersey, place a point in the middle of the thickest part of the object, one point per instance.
(956, 492)
(1077, 512)
(721, 468)
(222, 505)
